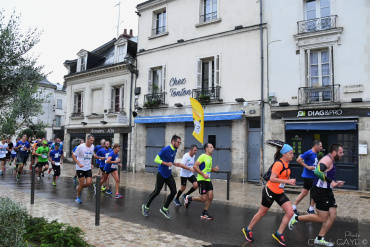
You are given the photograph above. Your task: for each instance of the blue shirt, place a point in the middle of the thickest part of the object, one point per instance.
(167, 154)
(23, 145)
(111, 167)
(103, 153)
(310, 159)
(55, 155)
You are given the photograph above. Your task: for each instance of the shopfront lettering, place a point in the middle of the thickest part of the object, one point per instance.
(175, 82)
(320, 113)
(102, 131)
(178, 92)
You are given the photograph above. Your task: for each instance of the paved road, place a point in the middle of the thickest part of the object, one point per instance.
(224, 230)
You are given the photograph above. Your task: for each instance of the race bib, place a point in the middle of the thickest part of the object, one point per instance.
(209, 174)
(22, 148)
(281, 186)
(106, 155)
(44, 156)
(57, 163)
(87, 156)
(113, 166)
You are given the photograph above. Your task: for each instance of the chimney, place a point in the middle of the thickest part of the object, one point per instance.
(131, 32)
(126, 35)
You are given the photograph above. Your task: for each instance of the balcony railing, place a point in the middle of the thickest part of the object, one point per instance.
(154, 100)
(117, 110)
(77, 114)
(208, 17)
(158, 30)
(318, 24)
(204, 95)
(318, 95)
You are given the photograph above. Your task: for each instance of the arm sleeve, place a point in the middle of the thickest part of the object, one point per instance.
(319, 172)
(158, 160)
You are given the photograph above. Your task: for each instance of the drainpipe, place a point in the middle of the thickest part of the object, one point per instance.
(262, 92)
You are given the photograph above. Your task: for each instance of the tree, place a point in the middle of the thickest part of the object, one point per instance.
(40, 134)
(19, 76)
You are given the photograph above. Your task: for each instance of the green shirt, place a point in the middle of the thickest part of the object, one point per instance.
(205, 166)
(44, 154)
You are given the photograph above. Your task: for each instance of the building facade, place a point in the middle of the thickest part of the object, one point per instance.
(59, 109)
(208, 50)
(318, 81)
(98, 88)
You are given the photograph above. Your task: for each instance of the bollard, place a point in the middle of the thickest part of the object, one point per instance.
(228, 185)
(97, 205)
(33, 185)
(165, 187)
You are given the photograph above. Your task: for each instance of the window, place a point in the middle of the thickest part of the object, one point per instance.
(117, 99)
(59, 104)
(58, 120)
(209, 10)
(208, 73)
(83, 63)
(156, 80)
(78, 103)
(121, 53)
(160, 22)
(319, 12)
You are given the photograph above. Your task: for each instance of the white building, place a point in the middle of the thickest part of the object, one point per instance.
(60, 106)
(318, 80)
(98, 92)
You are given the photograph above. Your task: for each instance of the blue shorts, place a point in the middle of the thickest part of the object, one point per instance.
(13, 156)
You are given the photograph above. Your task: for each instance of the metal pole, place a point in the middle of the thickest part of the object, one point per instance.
(33, 185)
(165, 187)
(228, 186)
(97, 206)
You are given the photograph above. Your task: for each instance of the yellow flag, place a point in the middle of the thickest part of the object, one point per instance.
(198, 119)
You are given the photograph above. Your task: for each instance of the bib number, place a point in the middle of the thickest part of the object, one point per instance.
(44, 156)
(209, 174)
(281, 186)
(87, 156)
(113, 166)
(57, 163)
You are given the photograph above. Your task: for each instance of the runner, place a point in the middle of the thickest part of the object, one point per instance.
(309, 161)
(83, 158)
(22, 148)
(110, 167)
(203, 166)
(274, 191)
(186, 173)
(34, 148)
(102, 156)
(3, 151)
(165, 159)
(98, 161)
(9, 151)
(77, 143)
(56, 159)
(14, 153)
(42, 160)
(322, 194)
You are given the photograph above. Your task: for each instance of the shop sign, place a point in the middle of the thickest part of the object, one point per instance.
(178, 92)
(320, 113)
(102, 131)
(121, 119)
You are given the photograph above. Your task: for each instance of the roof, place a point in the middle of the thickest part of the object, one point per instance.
(45, 82)
(143, 3)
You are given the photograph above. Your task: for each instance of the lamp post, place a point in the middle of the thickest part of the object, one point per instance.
(129, 63)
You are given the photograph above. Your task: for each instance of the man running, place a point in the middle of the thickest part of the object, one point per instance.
(34, 148)
(322, 194)
(56, 159)
(3, 152)
(102, 156)
(309, 161)
(9, 151)
(83, 158)
(165, 159)
(203, 166)
(98, 161)
(77, 143)
(42, 160)
(186, 174)
(22, 148)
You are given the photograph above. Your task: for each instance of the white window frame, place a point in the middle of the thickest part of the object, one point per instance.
(82, 61)
(329, 49)
(113, 98)
(318, 8)
(58, 123)
(213, 9)
(214, 81)
(59, 105)
(155, 27)
(120, 50)
(76, 104)
(162, 79)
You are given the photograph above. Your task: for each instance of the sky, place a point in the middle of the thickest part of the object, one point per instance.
(71, 25)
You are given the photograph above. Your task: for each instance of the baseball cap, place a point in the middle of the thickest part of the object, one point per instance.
(44, 142)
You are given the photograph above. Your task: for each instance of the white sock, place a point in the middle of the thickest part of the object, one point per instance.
(294, 207)
(311, 208)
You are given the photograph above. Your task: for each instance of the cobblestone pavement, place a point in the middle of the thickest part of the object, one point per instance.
(352, 206)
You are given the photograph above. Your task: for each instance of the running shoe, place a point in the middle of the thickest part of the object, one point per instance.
(38, 177)
(165, 212)
(103, 188)
(280, 239)
(296, 211)
(49, 171)
(78, 200)
(310, 211)
(30, 167)
(74, 179)
(248, 234)
(108, 191)
(184, 197)
(37, 169)
(292, 222)
(187, 201)
(118, 196)
(206, 216)
(18, 176)
(145, 210)
(1, 172)
(322, 242)
(177, 202)
(54, 184)
(42, 174)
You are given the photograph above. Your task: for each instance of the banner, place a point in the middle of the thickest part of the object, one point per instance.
(198, 119)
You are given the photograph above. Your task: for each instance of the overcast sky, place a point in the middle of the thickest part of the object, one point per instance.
(71, 25)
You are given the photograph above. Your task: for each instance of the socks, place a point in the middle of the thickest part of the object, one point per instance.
(205, 212)
(319, 237)
(294, 207)
(278, 234)
(190, 191)
(311, 208)
(296, 218)
(178, 194)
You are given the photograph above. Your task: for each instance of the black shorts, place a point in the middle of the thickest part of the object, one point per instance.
(101, 169)
(110, 171)
(8, 156)
(268, 198)
(308, 183)
(204, 187)
(84, 174)
(21, 158)
(192, 179)
(33, 157)
(3, 159)
(41, 164)
(324, 198)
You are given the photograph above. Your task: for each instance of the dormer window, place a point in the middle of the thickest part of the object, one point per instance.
(82, 61)
(120, 50)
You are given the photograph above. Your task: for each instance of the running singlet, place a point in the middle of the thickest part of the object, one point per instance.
(330, 174)
(278, 188)
(84, 155)
(23, 146)
(310, 159)
(205, 166)
(111, 167)
(188, 161)
(3, 150)
(103, 153)
(56, 156)
(44, 154)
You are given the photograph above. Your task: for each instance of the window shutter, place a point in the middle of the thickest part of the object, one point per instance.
(112, 98)
(308, 68)
(150, 86)
(163, 78)
(199, 74)
(331, 65)
(217, 71)
(82, 102)
(75, 103)
(122, 90)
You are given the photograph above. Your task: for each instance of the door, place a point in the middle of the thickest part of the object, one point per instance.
(254, 157)
(124, 151)
(154, 143)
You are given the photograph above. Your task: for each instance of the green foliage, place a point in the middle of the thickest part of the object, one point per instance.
(20, 97)
(27, 132)
(40, 231)
(40, 134)
(12, 222)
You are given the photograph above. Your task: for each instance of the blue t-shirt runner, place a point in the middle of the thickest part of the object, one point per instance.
(310, 159)
(108, 167)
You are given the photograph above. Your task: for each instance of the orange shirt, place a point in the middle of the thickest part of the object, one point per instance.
(278, 188)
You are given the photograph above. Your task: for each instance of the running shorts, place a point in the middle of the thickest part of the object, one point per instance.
(324, 198)
(308, 183)
(41, 164)
(192, 179)
(110, 171)
(84, 174)
(268, 198)
(204, 187)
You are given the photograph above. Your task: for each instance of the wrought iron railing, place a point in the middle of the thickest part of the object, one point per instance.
(158, 30)
(117, 110)
(318, 95)
(77, 114)
(204, 95)
(208, 17)
(318, 24)
(154, 100)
